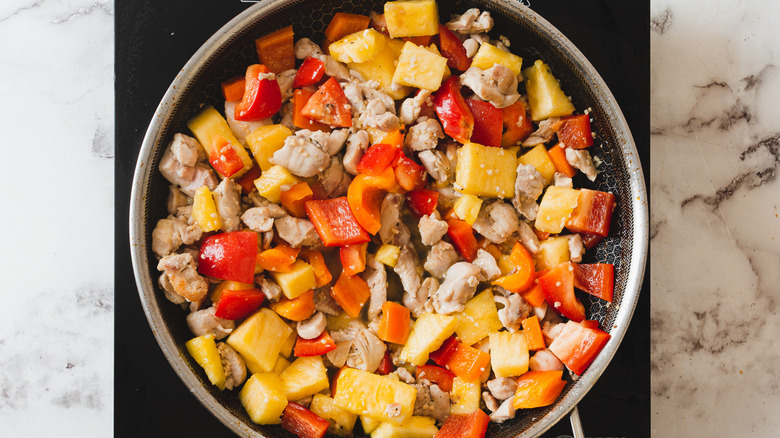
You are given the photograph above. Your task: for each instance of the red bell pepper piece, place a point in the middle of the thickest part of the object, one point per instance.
(229, 256)
(422, 202)
(300, 99)
(262, 97)
(597, 279)
(335, 223)
(575, 132)
(238, 304)
(538, 388)
(517, 124)
(445, 352)
(577, 346)
(329, 105)
(409, 174)
(314, 347)
(467, 362)
(558, 287)
(488, 123)
(593, 213)
(452, 49)
(462, 237)
(473, 425)
(437, 375)
(224, 158)
(302, 422)
(386, 365)
(590, 240)
(247, 180)
(353, 258)
(310, 72)
(377, 158)
(451, 108)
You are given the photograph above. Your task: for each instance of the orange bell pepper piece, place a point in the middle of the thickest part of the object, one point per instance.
(278, 259)
(317, 261)
(533, 333)
(277, 50)
(365, 195)
(351, 293)
(353, 258)
(296, 309)
(335, 223)
(394, 323)
(523, 277)
(473, 425)
(300, 98)
(538, 388)
(534, 296)
(294, 199)
(395, 138)
(233, 89)
(558, 157)
(343, 24)
(468, 363)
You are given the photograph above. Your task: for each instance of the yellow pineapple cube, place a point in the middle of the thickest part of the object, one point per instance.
(414, 427)
(505, 264)
(478, 319)
(369, 424)
(304, 377)
(467, 208)
(388, 254)
(288, 345)
(266, 140)
(364, 393)
(381, 69)
(489, 55)
(508, 353)
(298, 281)
(465, 396)
(204, 350)
(540, 159)
(204, 210)
(428, 333)
(341, 422)
(545, 97)
(485, 171)
(281, 365)
(420, 67)
(552, 252)
(274, 181)
(263, 398)
(209, 125)
(555, 208)
(360, 46)
(259, 339)
(435, 50)
(412, 18)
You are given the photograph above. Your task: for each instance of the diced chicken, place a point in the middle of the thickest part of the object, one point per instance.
(334, 180)
(497, 222)
(472, 21)
(392, 230)
(541, 311)
(274, 210)
(182, 165)
(528, 238)
(305, 47)
(497, 85)
(170, 293)
(376, 278)
(576, 248)
(380, 116)
(550, 331)
(515, 309)
(460, 283)
(561, 180)
(285, 81)
(336, 141)
(286, 113)
(170, 233)
(544, 133)
(404, 375)
(431, 401)
(502, 387)
(324, 303)
(545, 360)
(227, 197)
(183, 274)
(233, 364)
(447, 196)
(258, 219)
(436, 163)
(366, 350)
(441, 256)
(270, 289)
(580, 159)
(472, 46)
(354, 94)
(529, 184)
(432, 228)
(334, 68)
(412, 106)
(239, 128)
(176, 199)
(312, 327)
(406, 268)
(296, 231)
(357, 143)
(301, 157)
(490, 402)
(338, 356)
(487, 263)
(204, 322)
(504, 412)
(424, 135)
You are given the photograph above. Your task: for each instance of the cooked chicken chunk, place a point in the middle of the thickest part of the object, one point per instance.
(528, 186)
(285, 81)
(258, 219)
(376, 278)
(204, 322)
(436, 163)
(176, 199)
(233, 365)
(504, 412)
(296, 231)
(406, 268)
(544, 133)
(576, 248)
(497, 221)
(366, 350)
(460, 283)
(432, 228)
(170, 233)
(227, 197)
(422, 300)
(502, 387)
(241, 129)
(513, 312)
(357, 144)
(392, 231)
(324, 303)
(490, 402)
(301, 157)
(334, 180)
(182, 272)
(497, 85)
(441, 256)
(472, 21)
(305, 47)
(270, 289)
(561, 180)
(380, 116)
(580, 159)
(182, 165)
(431, 401)
(487, 263)
(528, 238)
(545, 360)
(412, 106)
(424, 135)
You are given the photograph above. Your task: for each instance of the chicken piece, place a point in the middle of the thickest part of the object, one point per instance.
(274, 210)
(460, 283)
(545, 360)
(406, 268)
(528, 238)
(432, 228)
(338, 356)
(502, 387)
(204, 322)
(182, 272)
(366, 350)
(392, 230)
(412, 106)
(576, 248)
(354, 94)
(580, 159)
(305, 47)
(550, 331)
(380, 116)
(258, 219)
(472, 21)
(176, 199)
(431, 401)
(286, 114)
(424, 135)
(514, 310)
(497, 222)
(170, 293)
(561, 180)
(285, 81)
(227, 197)
(497, 85)
(334, 68)
(170, 233)
(404, 375)
(376, 278)
(441, 256)
(296, 231)
(330, 142)
(233, 364)
(325, 303)
(472, 47)
(490, 402)
(301, 156)
(487, 263)
(334, 180)
(436, 163)
(182, 165)
(529, 185)
(241, 129)
(504, 412)
(271, 290)
(447, 197)
(357, 143)
(544, 133)
(312, 327)
(336, 140)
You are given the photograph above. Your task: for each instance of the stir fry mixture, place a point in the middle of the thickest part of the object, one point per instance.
(388, 232)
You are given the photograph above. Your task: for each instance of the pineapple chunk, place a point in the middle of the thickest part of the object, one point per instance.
(306, 376)
(508, 353)
(281, 365)
(388, 254)
(298, 281)
(208, 125)
(545, 97)
(412, 18)
(364, 393)
(382, 67)
(478, 319)
(204, 350)
(259, 339)
(465, 396)
(540, 159)
(467, 208)
(360, 46)
(273, 182)
(485, 171)
(288, 345)
(204, 210)
(489, 55)
(420, 67)
(341, 421)
(266, 140)
(369, 424)
(429, 332)
(555, 208)
(552, 252)
(263, 398)
(505, 264)
(414, 427)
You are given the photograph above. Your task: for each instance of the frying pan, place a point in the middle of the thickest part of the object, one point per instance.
(231, 49)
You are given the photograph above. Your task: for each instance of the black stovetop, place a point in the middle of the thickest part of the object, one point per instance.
(153, 41)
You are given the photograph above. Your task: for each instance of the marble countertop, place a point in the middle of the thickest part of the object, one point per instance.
(714, 218)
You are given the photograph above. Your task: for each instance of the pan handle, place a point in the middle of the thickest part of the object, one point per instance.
(576, 425)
